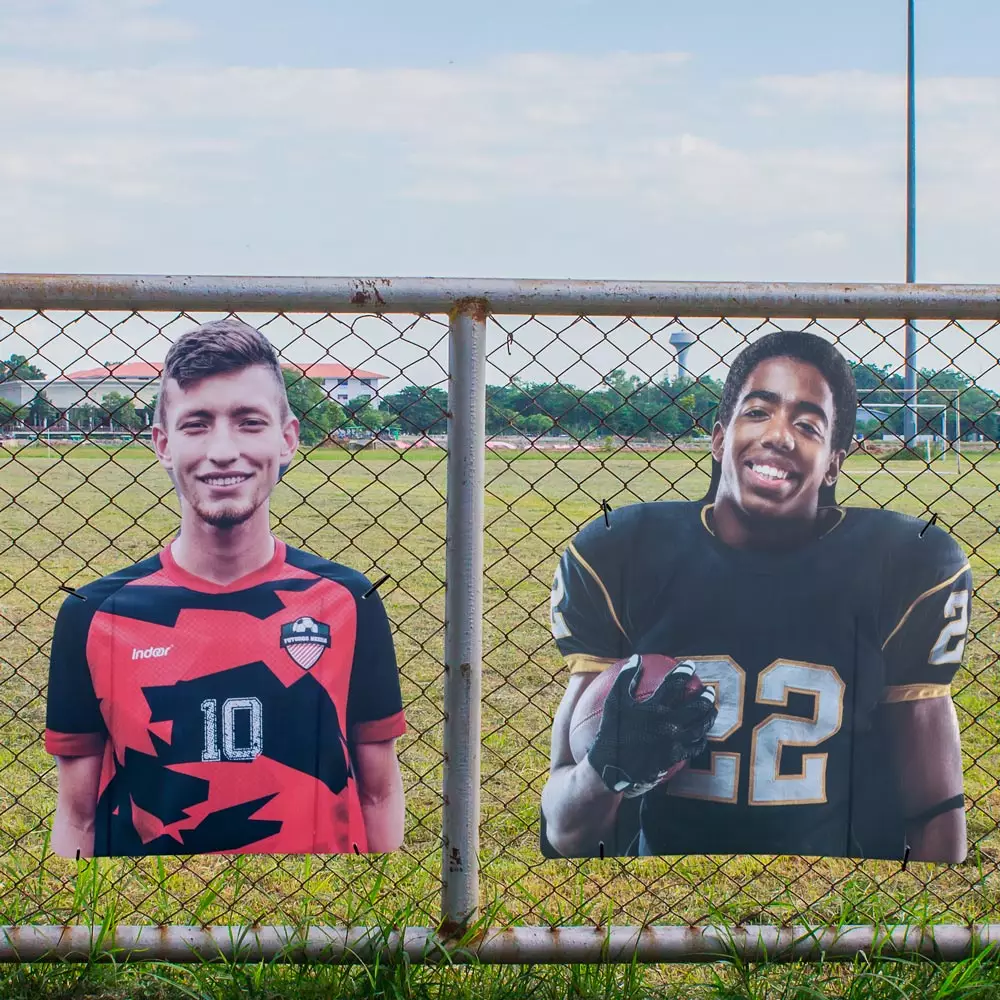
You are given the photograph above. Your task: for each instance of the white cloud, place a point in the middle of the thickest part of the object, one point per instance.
(129, 168)
(958, 143)
(579, 145)
(860, 92)
(969, 94)
(845, 91)
(526, 119)
(48, 25)
(535, 92)
(616, 127)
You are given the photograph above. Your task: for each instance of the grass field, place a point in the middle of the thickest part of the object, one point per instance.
(977, 978)
(68, 518)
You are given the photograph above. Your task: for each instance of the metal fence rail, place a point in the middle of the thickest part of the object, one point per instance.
(513, 296)
(508, 946)
(468, 512)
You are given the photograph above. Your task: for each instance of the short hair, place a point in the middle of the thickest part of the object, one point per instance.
(813, 350)
(218, 348)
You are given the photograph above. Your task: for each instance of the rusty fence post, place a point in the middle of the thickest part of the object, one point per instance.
(463, 629)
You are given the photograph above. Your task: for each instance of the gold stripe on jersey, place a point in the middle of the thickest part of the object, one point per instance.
(582, 663)
(704, 518)
(915, 692)
(600, 583)
(926, 593)
(841, 511)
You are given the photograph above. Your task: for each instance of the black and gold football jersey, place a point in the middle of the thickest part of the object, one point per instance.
(803, 647)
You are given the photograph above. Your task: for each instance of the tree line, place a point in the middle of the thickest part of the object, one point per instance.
(629, 406)
(624, 405)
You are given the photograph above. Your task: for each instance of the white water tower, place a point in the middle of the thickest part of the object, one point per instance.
(682, 340)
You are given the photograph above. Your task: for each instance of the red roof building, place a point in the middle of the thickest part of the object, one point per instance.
(340, 382)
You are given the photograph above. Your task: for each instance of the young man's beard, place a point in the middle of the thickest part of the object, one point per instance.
(226, 517)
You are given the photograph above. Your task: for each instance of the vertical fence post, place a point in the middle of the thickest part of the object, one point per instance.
(463, 629)
(910, 351)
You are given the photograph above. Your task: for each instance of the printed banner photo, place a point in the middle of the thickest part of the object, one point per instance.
(255, 716)
(762, 670)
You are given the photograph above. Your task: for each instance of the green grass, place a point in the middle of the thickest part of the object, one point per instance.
(976, 978)
(68, 517)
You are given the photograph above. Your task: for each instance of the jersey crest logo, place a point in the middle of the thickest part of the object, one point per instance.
(304, 640)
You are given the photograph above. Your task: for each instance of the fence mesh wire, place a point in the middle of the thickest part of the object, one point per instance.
(580, 411)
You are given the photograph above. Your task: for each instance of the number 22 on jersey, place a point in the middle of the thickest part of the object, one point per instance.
(768, 786)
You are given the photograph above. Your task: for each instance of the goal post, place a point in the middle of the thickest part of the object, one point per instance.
(950, 444)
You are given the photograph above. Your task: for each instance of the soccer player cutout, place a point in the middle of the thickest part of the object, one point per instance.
(229, 694)
(827, 637)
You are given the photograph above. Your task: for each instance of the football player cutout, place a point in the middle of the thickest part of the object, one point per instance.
(827, 638)
(230, 694)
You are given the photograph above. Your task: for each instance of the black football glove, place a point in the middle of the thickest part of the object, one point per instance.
(638, 742)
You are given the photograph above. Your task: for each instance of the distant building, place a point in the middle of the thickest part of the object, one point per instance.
(341, 383)
(140, 381)
(135, 380)
(20, 391)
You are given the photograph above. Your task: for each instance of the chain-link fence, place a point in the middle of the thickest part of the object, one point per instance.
(462, 433)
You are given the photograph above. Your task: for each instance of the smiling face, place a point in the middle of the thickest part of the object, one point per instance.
(777, 451)
(223, 441)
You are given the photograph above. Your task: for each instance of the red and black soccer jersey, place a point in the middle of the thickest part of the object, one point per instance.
(226, 714)
(802, 648)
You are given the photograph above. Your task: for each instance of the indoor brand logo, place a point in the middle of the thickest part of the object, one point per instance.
(150, 652)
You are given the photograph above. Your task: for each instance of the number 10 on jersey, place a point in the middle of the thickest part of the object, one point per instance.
(231, 749)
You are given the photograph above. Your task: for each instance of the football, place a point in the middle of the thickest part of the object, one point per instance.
(586, 718)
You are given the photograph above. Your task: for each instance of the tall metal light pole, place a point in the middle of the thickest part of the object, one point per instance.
(910, 373)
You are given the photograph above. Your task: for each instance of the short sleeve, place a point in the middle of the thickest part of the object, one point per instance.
(927, 617)
(585, 618)
(74, 726)
(374, 700)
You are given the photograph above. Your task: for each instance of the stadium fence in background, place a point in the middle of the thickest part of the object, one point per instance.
(628, 437)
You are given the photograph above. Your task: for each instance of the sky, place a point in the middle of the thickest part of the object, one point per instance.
(634, 139)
